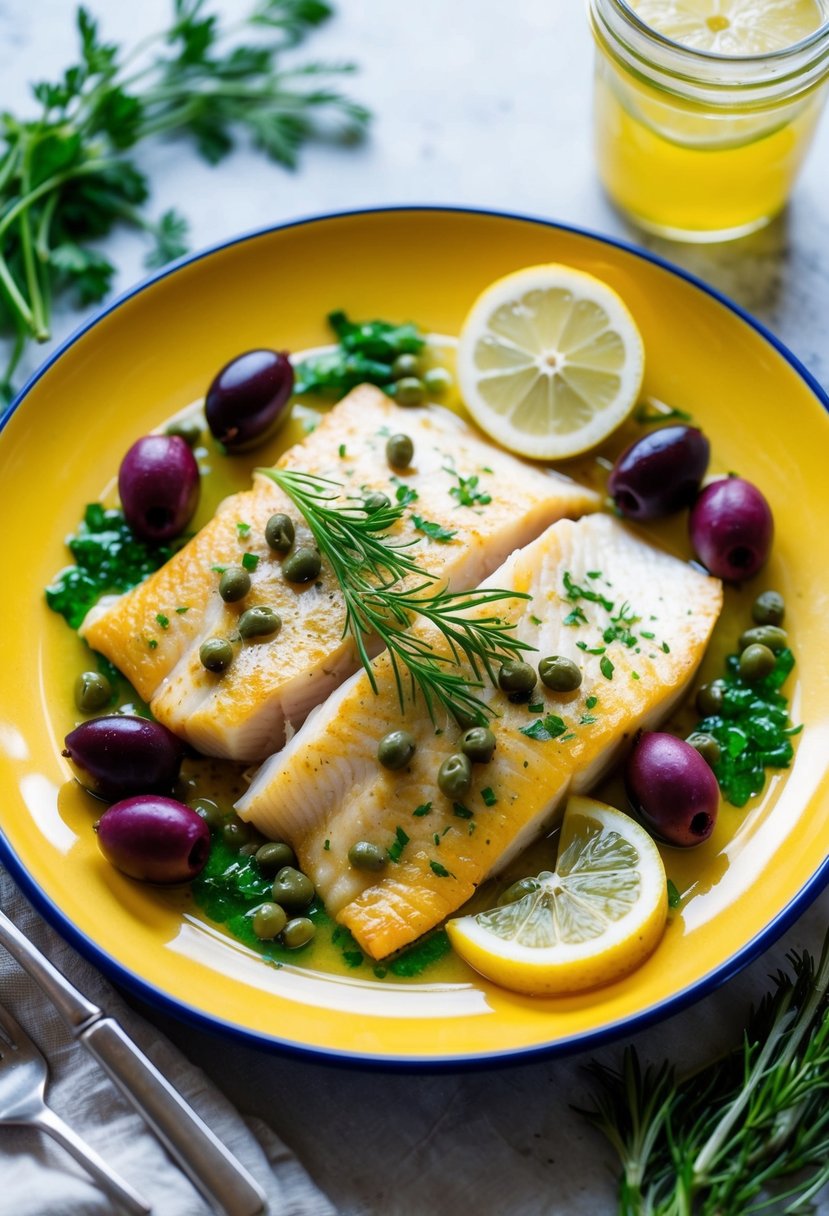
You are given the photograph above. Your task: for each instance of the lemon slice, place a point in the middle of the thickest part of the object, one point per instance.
(592, 921)
(549, 361)
(732, 27)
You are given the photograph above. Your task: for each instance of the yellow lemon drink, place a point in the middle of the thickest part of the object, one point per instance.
(704, 109)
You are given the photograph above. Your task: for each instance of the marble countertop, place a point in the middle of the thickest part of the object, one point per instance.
(480, 104)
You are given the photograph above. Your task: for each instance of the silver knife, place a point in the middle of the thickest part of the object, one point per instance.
(213, 1170)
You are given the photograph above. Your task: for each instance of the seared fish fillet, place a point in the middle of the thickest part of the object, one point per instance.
(634, 619)
(273, 683)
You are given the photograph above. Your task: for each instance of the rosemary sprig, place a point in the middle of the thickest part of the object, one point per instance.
(385, 589)
(748, 1133)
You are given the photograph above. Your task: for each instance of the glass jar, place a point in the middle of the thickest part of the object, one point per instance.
(695, 145)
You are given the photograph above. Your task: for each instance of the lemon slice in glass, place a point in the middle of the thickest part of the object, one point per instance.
(593, 920)
(550, 361)
(732, 27)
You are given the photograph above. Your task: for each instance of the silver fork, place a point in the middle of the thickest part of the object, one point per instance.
(23, 1076)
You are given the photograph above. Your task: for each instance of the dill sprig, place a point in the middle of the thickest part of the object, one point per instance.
(746, 1134)
(384, 589)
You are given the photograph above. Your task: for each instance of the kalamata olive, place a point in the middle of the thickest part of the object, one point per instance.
(246, 400)
(119, 755)
(155, 839)
(731, 528)
(158, 483)
(660, 472)
(672, 789)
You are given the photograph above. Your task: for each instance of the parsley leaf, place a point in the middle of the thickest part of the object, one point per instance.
(544, 729)
(433, 530)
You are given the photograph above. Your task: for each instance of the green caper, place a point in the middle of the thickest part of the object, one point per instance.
(706, 745)
(399, 451)
(234, 584)
(405, 365)
(768, 609)
(364, 855)
(455, 776)
(524, 886)
(298, 932)
(560, 674)
(280, 532)
(190, 432)
(302, 566)
(517, 678)
(292, 888)
(710, 698)
(235, 833)
(216, 654)
(259, 622)
(268, 921)
(756, 661)
(274, 856)
(372, 503)
(92, 691)
(478, 744)
(437, 380)
(210, 811)
(396, 749)
(409, 391)
(765, 635)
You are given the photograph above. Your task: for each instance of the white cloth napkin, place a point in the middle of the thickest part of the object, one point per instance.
(38, 1178)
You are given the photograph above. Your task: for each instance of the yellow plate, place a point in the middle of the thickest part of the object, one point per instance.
(153, 353)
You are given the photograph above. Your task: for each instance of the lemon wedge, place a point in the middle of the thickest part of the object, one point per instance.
(732, 27)
(550, 361)
(596, 918)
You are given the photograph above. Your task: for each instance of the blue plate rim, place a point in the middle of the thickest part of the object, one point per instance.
(145, 991)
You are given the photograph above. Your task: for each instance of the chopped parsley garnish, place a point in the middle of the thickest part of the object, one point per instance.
(404, 494)
(488, 796)
(218, 569)
(591, 649)
(182, 608)
(634, 675)
(365, 354)
(587, 719)
(152, 643)
(243, 529)
(462, 812)
(666, 648)
(433, 530)
(606, 668)
(341, 451)
(400, 841)
(591, 702)
(594, 574)
(536, 620)
(250, 561)
(674, 897)
(545, 729)
(576, 617)
(440, 870)
(422, 954)
(646, 633)
(422, 810)
(535, 707)
(163, 621)
(467, 492)
(575, 592)
(327, 845)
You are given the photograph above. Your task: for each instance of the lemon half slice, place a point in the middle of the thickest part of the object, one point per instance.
(593, 920)
(550, 361)
(732, 27)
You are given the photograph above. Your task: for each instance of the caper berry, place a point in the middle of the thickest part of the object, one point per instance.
(405, 365)
(364, 855)
(190, 432)
(768, 609)
(210, 811)
(455, 776)
(710, 698)
(706, 745)
(302, 566)
(396, 749)
(268, 921)
(765, 635)
(259, 622)
(560, 674)
(478, 744)
(216, 654)
(92, 692)
(756, 661)
(524, 886)
(298, 932)
(517, 678)
(274, 856)
(437, 380)
(235, 833)
(292, 888)
(280, 533)
(372, 503)
(399, 451)
(409, 391)
(234, 584)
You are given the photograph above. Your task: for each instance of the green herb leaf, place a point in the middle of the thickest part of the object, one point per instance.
(396, 848)
(440, 870)
(433, 530)
(488, 796)
(250, 561)
(674, 897)
(545, 729)
(423, 809)
(606, 668)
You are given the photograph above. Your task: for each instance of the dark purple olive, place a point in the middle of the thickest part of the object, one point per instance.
(119, 755)
(247, 399)
(155, 839)
(731, 528)
(672, 789)
(159, 487)
(660, 473)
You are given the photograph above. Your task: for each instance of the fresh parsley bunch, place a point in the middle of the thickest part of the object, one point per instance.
(66, 177)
